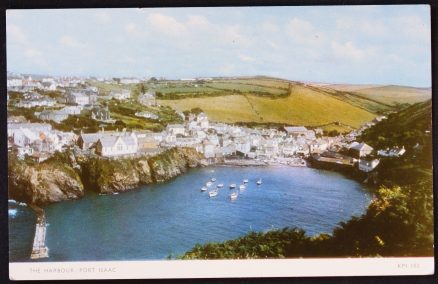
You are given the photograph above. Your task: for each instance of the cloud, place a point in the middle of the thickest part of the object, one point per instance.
(167, 24)
(103, 17)
(31, 52)
(231, 34)
(414, 27)
(354, 27)
(347, 50)
(131, 28)
(15, 33)
(303, 32)
(70, 41)
(246, 58)
(197, 21)
(269, 27)
(227, 69)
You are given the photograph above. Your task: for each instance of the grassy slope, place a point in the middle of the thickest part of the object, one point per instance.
(227, 109)
(303, 107)
(389, 94)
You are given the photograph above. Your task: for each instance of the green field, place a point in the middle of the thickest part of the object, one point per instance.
(263, 82)
(220, 87)
(303, 107)
(389, 94)
(246, 88)
(265, 100)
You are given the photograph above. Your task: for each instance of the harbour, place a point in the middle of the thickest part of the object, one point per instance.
(164, 220)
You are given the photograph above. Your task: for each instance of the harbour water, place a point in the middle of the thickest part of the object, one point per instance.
(167, 219)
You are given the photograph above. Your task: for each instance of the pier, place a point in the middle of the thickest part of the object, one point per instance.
(39, 249)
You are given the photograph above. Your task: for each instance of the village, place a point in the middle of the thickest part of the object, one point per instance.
(220, 143)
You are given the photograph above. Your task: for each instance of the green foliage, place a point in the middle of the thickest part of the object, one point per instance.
(77, 123)
(411, 128)
(28, 113)
(15, 95)
(406, 127)
(333, 133)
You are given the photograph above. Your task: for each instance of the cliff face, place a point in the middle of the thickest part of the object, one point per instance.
(106, 176)
(44, 183)
(173, 163)
(66, 176)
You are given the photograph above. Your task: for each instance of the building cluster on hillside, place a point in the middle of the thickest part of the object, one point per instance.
(216, 141)
(72, 96)
(38, 140)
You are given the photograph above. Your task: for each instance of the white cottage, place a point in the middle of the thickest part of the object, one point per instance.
(116, 145)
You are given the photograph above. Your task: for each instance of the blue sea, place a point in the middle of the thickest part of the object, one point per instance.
(167, 219)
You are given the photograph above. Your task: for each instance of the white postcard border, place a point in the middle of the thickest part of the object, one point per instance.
(221, 268)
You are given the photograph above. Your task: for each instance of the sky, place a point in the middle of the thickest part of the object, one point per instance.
(337, 44)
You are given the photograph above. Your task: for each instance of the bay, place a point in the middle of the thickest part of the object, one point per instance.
(167, 219)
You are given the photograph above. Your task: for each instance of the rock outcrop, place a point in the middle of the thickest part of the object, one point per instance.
(43, 183)
(173, 163)
(107, 176)
(66, 176)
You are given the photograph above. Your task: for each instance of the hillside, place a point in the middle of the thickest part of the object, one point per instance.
(264, 100)
(389, 94)
(270, 100)
(411, 128)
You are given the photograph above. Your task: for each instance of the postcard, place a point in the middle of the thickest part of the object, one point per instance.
(219, 142)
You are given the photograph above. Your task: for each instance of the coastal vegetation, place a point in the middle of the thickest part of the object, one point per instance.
(398, 221)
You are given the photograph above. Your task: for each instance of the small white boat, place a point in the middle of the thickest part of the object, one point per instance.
(213, 179)
(233, 185)
(233, 196)
(212, 193)
(245, 180)
(220, 185)
(242, 187)
(204, 188)
(259, 182)
(209, 183)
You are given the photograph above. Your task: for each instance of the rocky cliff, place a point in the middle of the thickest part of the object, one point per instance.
(66, 175)
(173, 163)
(44, 183)
(107, 176)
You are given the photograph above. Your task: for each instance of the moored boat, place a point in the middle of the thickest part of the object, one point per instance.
(213, 179)
(242, 187)
(220, 185)
(259, 182)
(245, 180)
(233, 196)
(203, 188)
(212, 193)
(233, 185)
(209, 183)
